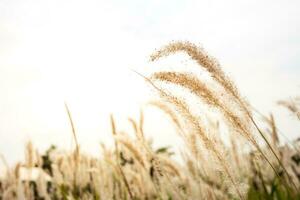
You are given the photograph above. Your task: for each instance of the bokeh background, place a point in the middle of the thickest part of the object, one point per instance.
(83, 53)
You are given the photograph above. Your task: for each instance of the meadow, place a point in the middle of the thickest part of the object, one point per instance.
(229, 158)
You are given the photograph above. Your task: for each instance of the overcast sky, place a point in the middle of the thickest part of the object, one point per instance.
(82, 52)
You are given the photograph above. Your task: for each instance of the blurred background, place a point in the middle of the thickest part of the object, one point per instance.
(83, 53)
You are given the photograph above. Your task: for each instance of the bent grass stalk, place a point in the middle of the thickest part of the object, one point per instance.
(213, 67)
(76, 158)
(207, 142)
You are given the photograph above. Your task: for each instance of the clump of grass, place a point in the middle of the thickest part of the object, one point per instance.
(210, 167)
(200, 89)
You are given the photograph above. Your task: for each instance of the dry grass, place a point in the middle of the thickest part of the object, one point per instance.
(210, 167)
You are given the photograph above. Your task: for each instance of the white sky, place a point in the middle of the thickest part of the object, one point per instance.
(82, 52)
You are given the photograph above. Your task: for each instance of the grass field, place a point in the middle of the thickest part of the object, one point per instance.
(249, 163)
